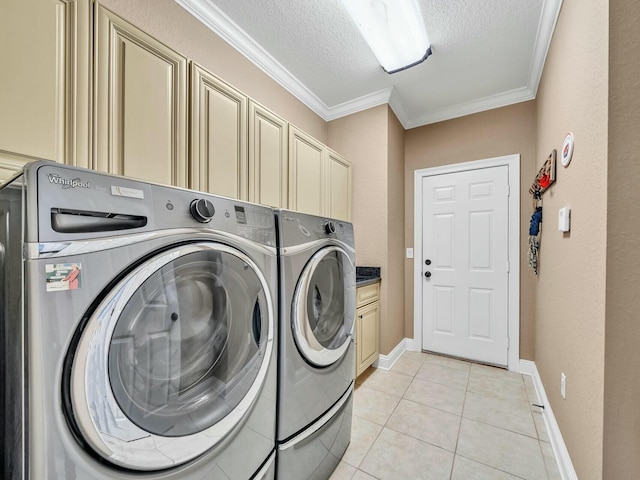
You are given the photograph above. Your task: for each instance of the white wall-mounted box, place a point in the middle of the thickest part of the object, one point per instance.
(564, 219)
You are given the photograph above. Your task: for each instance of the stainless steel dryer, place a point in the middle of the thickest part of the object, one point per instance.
(316, 349)
(138, 330)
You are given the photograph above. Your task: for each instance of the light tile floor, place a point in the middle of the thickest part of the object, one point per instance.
(433, 417)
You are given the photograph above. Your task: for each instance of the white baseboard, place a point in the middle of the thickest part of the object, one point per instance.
(412, 345)
(527, 367)
(560, 451)
(385, 362)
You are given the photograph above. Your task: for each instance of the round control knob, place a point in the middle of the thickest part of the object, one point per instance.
(329, 228)
(202, 210)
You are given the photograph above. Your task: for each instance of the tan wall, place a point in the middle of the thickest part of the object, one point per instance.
(175, 27)
(504, 131)
(363, 138)
(570, 300)
(622, 335)
(394, 325)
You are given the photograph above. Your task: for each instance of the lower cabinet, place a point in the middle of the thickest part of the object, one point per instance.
(367, 326)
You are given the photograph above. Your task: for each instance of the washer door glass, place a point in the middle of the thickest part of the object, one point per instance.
(177, 351)
(324, 307)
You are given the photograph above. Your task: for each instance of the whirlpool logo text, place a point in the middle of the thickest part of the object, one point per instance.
(67, 182)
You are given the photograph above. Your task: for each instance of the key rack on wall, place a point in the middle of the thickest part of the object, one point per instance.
(544, 179)
(546, 176)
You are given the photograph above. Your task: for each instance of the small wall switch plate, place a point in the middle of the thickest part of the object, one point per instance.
(409, 252)
(563, 385)
(564, 219)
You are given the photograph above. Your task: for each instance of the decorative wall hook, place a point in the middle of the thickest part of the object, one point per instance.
(546, 176)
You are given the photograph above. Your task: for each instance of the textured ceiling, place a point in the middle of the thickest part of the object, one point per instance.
(486, 54)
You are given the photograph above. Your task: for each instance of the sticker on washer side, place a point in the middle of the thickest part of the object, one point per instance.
(63, 276)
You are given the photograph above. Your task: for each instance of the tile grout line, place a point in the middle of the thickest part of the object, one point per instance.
(497, 427)
(492, 467)
(544, 460)
(464, 402)
(382, 429)
(411, 436)
(413, 377)
(537, 437)
(397, 404)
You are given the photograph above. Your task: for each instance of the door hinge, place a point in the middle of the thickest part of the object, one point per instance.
(508, 266)
(508, 190)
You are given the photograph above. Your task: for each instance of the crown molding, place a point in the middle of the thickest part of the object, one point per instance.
(359, 104)
(463, 109)
(546, 27)
(211, 16)
(397, 105)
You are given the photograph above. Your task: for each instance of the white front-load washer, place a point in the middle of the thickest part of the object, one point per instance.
(316, 349)
(138, 330)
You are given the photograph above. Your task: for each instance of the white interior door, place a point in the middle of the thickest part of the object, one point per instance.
(466, 264)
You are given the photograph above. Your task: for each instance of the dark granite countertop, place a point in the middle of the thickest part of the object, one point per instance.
(367, 275)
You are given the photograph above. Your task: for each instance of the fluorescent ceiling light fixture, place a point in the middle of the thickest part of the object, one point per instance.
(394, 31)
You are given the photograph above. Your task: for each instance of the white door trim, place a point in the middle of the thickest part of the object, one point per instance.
(513, 163)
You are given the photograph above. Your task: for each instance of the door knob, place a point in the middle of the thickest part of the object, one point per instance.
(427, 274)
(427, 262)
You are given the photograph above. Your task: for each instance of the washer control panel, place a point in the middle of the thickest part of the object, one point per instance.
(87, 204)
(298, 228)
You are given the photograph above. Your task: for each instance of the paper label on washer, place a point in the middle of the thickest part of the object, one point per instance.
(126, 192)
(63, 276)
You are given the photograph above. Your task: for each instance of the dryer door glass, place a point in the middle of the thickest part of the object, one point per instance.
(189, 336)
(324, 306)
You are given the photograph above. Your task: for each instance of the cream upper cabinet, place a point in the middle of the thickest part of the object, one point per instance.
(140, 104)
(319, 178)
(44, 75)
(268, 157)
(306, 172)
(338, 186)
(218, 136)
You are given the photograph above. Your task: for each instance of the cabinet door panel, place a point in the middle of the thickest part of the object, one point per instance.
(218, 136)
(140, 104)
(338, 187)
(306, 170)
(44, 76)
(145, 136)
(268, 157)
(367, 294)
(367, 336)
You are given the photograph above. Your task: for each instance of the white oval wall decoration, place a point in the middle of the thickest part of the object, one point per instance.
(567, 150)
